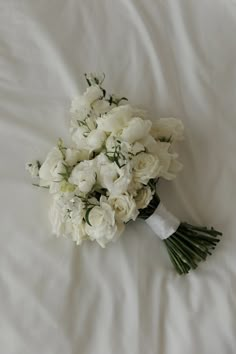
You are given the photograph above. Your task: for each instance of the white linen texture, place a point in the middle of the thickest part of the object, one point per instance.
(176, 58)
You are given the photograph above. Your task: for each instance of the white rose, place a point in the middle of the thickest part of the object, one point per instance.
(145, 167)
(124, 206)
(118, 118)
(52, 166)
(84, 175)
(102, 225)
(134, 187)
(137, 129)
(143, 198)
(111, 177)
(33, 168)
(170, 129)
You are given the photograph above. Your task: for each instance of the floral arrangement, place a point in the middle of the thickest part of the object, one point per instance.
(108, 176)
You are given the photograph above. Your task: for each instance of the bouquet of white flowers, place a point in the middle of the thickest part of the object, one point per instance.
(108, 176)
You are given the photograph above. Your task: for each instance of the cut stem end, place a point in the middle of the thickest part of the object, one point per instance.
(190, 245)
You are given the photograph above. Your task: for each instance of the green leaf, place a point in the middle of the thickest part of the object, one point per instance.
(87, 215)
(38, 164)
(88, 81)
(37, 185)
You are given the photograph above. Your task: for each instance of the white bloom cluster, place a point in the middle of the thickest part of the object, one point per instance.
(105, 179)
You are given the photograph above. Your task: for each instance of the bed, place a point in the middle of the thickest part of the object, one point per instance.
(176, 58)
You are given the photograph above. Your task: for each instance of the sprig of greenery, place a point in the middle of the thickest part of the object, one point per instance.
(116, 155)
(67, 173)
(38, 185)
(37, 162)
(86, 217)
(113, 99)
(61, 147)
(95, 80)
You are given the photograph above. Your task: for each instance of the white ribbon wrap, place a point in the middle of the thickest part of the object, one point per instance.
(162, 222)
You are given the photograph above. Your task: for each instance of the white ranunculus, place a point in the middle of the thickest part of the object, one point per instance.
(136, 129)
(111, 177)
(33, 168)
(143, 197)
(124, 206)
(118, 118)
(52, 166)
(84, 175)
(171, 129)
(145, 167)
(134, 187)
(101, 225)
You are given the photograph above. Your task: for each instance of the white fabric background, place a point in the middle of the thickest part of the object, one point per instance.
(176, 58)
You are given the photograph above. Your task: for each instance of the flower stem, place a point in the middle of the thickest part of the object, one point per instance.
(190, 245)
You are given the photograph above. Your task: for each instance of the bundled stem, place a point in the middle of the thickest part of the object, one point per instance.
(189, 245)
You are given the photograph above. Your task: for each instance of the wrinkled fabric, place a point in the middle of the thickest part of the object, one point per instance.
(174, 58)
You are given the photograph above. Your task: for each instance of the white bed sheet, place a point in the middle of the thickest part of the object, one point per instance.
(176, 58)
